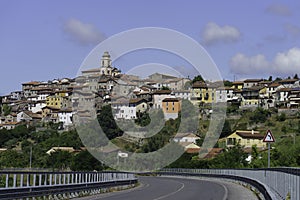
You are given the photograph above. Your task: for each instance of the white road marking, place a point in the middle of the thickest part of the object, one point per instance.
(170, 194)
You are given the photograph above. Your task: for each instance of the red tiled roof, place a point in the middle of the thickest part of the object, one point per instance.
(162, 92)
(250, 134)
(170, 100)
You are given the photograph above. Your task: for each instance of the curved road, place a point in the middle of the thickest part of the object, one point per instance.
(162, 188)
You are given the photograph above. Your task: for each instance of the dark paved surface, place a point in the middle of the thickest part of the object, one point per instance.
(157, 188)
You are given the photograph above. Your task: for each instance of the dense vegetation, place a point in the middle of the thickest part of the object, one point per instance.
(285, 152)
(23, 141)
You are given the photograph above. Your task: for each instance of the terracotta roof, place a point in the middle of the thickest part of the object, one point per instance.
(274, 85)
(284, 90)
(213, 152)
(252, 80)
(288, 81)
(136, 100)
(10, 123)
(66, 110)
(33, 115)
(237, 82)
(162, 92)
(91, 70)
(170, 100)
(49, 107)
(250, 134)
(32, 83)
(199, 84)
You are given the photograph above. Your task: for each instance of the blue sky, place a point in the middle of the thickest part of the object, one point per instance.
(42, 40)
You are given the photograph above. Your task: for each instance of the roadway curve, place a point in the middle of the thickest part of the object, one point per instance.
(162, 188)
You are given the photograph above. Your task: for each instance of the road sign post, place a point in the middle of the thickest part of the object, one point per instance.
(269, 138)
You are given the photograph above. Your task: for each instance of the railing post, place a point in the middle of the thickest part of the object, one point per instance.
(15, 181)
(6, 181)
(50, 179)
(55, 178)
(72, 178)
(59, 179)
(34, 180)
(28, 180)
(40, 179)
(64, 181)
(45, 182)
(68, 179)
(21, 180)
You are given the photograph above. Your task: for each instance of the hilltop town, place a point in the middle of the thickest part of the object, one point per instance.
(52, 101)
(253, 106)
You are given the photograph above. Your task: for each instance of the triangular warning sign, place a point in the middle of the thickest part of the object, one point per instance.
(269, 137)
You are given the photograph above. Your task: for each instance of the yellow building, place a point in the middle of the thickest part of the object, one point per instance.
(238, 85)
(246, 139)
(62, 93)
(54, 101)
(171, 107)
(57, 101)
(249, 103)
(203, 93)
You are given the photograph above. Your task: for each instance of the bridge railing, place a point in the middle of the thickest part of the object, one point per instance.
(29, 184)
(279, 183)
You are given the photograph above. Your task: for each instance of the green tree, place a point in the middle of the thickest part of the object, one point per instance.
(84, 161)
(226, 130)
(165, 88)
(233, 157)
(270, 78)
(259, 115)
(4, 136)
(143, 119)
(281, 117)
(227, 83)
(6, 109)
(108, 124)
(12, 158)
(59, 160)
(296, 76)
(197, 78)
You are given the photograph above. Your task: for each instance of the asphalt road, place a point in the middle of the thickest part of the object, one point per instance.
(157, 188)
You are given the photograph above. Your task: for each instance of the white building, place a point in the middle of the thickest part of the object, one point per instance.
(186, 137)
(159, 96)
(182, 94)
(36, 106)
(272, 88)
(66, 117)
(122, 109)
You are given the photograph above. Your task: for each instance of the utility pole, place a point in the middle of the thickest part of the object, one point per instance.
(268, 139)
(269, 154)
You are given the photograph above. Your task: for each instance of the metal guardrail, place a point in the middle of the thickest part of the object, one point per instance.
(32, 184)
(273, 183)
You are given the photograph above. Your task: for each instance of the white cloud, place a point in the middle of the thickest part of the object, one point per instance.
(279, 9)
(83, 33)
(213, 33)
(284, 63)
(241, 64)
(287, 62)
